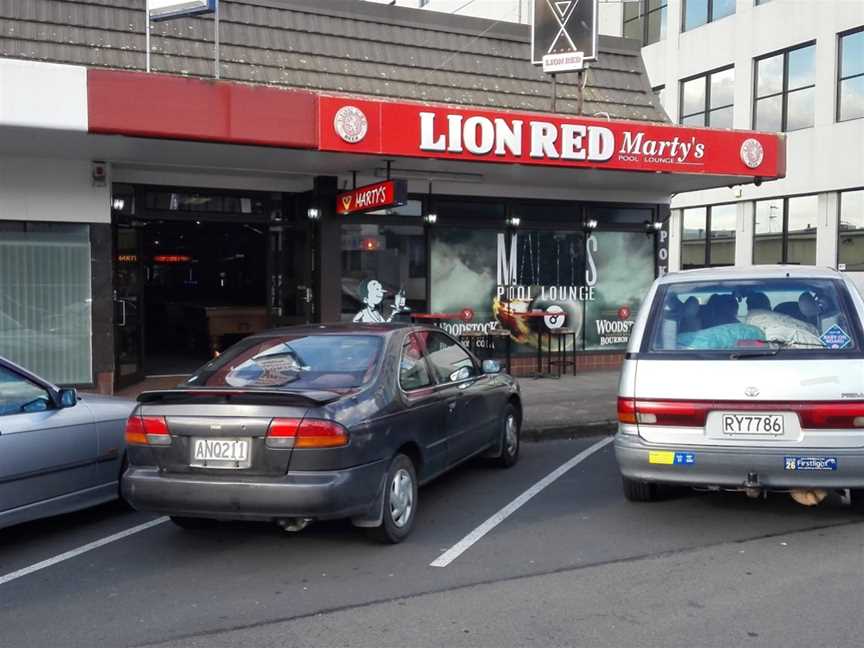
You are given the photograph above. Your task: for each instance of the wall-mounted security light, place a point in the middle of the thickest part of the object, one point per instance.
(513, 221)
(653, 227)
(313, 214)
(589, 225)
(431, 219)
(118, 204)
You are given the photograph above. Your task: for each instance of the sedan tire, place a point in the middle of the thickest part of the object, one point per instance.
(400, 502)
(510, 441)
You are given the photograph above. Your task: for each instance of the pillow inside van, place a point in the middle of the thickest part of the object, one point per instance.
(790, 330)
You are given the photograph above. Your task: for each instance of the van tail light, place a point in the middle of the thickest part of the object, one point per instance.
(147, 430)
(814, 415)
(831, 416)
(660, 412)
(626, 410)
(305, 433)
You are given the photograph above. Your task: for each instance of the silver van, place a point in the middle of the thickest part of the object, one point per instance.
(747, 379)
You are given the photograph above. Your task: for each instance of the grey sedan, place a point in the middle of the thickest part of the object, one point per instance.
(320, 422)
(59, 452)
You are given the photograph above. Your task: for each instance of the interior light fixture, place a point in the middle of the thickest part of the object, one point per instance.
(313, 213)
(118, 204)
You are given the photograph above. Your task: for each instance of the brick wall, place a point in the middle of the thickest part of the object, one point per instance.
(527, 365)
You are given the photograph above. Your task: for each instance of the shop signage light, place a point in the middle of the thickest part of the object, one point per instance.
(168, 259)
(442, 132)
(390, 193)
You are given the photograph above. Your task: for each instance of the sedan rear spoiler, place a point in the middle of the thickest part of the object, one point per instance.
(317, 397)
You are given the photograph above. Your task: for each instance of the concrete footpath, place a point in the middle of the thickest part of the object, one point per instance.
(555, 408)
(561, 408)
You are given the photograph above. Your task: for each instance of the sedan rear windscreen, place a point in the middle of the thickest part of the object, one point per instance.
(753, 315)
(294, 362)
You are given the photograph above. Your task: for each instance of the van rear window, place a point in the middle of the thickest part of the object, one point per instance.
(753, 315)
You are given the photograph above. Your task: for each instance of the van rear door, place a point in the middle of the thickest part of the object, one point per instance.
(753, 361)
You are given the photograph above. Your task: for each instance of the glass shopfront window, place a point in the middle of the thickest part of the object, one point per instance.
(45, 299)
(383, 271)
(518, 280)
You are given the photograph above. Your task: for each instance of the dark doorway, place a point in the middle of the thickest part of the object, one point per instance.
(205, 287)
(198, 270)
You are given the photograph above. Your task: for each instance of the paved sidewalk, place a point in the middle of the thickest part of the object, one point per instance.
(570, 406)
(555, 408)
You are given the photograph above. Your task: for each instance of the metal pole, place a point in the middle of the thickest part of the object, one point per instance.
(216, 38)
(581, 82)
(554, 90)
(147, 35)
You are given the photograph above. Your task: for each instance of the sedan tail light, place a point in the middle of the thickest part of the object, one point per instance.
(147, 430)
(305, 433)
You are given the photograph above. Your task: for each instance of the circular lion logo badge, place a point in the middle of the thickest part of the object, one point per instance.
(554, 317)
(350, 124)
(752, 153)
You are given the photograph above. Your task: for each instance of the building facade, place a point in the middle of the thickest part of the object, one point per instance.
(768, 65)
(148, 220)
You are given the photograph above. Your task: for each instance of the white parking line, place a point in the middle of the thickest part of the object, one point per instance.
(465, 543)
(80, 550)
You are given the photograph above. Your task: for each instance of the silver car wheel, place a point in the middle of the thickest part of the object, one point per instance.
(511, 438)
(401, 498)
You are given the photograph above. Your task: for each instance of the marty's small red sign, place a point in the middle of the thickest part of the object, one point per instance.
(390, 193)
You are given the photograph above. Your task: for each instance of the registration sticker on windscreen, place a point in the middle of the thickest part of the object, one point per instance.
(810, 463)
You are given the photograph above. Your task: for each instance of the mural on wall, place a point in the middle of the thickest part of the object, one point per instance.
(372, 294)
(538, 280)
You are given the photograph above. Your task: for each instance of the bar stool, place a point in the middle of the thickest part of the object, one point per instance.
(561, 360)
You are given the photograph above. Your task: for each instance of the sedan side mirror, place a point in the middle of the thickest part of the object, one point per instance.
(68, 398)
(491, 367)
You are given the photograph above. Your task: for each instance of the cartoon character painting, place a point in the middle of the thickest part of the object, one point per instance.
(372, 294)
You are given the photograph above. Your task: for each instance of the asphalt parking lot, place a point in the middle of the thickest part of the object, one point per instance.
(242, 583)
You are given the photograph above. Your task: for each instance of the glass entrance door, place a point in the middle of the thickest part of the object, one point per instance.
(128, 333)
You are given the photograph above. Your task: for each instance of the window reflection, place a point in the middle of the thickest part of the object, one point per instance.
(851, 243)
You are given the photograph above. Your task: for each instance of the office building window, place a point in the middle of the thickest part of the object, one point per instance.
(708, 236)
(707, 100)
(785, 90)
(645, 20)
(699, 12)
(785, 230)
(850, 84)
(850, 249)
